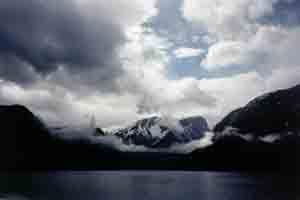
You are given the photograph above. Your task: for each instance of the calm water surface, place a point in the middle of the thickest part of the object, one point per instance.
(144, 185)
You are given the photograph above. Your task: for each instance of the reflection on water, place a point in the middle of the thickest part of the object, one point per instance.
(144, 185)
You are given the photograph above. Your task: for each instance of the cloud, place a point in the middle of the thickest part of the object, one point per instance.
(147, 90)
(227, 54)
(185, 148)
(225, 19)
(185, 52)
(45, 35)
(282, 78)
(232, 92)
(271, 47)
(178, 96)
(117, 143)
(41, 39)
(60, 107)
(144, 88)
(193, 145)
(13, 69)
(248, 34)
(69, 59)
(147, 78)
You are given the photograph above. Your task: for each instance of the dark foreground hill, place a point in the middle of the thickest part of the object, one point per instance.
(22, 134)
(265, 134)
(26, 143)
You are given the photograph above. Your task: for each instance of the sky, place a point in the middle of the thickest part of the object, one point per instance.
(120, 60)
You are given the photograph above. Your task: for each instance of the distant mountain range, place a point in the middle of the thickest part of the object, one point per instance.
(263, 135)
(156, 132)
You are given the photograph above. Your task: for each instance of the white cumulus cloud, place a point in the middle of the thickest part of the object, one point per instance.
(185, 52)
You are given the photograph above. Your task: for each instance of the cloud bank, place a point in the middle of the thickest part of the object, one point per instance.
(120, 61)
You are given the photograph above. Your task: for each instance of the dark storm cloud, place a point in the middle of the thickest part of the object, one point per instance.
(41, 35)
(286, 13)
(14, 69)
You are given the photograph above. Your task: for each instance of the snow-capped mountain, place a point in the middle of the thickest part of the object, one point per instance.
(162, 132)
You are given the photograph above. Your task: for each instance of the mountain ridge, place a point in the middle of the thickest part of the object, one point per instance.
(27, 143)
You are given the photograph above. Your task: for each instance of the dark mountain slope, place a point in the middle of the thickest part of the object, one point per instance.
(275, 112)
(21, 134)
(241, 140)
(26, 143)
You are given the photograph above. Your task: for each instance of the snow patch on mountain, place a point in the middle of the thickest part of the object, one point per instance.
(231, 131)
(249, 137)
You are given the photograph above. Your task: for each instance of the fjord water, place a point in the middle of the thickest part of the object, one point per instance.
(146, 185)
